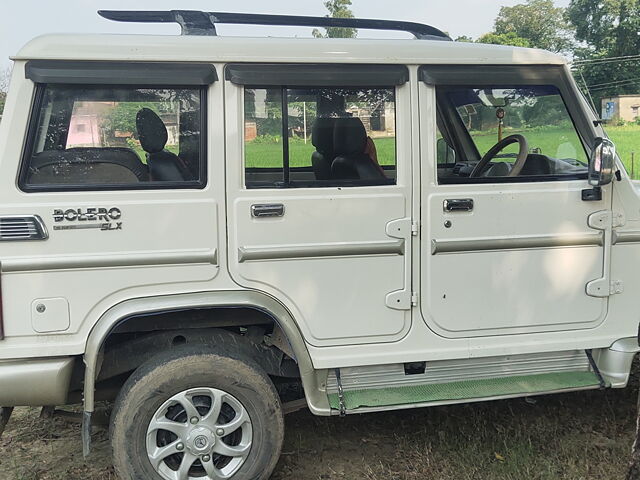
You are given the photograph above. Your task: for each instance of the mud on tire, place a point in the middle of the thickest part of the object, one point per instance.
(175, 409)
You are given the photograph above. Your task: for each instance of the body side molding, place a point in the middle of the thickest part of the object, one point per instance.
(343, 249)
(625, 237)
(515, 243)
(60, 262)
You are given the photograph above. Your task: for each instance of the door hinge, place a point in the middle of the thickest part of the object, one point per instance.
(599, 288)
(604, 219)
(617, 287)
(402, 228)
(402, 300)
(618, 220)
(414, 299)
(601, 220)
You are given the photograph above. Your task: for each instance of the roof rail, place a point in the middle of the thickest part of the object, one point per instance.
(194, 22)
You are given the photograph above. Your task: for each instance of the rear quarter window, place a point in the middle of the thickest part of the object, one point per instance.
(101, 137)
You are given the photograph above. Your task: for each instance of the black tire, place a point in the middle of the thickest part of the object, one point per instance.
(165, 375)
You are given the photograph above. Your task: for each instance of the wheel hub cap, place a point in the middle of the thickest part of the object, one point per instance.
(200, 441)
(202, 433)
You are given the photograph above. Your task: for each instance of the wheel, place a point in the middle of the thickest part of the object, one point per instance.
(194, 414)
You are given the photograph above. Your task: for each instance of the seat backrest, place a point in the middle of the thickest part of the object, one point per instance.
(536, 164)
(164, 166)
(351, 162)
(189, 153)
(87, 166)
(322, 139)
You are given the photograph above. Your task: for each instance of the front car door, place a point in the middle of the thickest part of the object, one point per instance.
(510, 246)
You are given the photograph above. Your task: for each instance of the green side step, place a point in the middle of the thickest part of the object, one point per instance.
(464, 390)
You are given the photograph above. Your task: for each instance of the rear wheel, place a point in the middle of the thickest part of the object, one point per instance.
(197, 414)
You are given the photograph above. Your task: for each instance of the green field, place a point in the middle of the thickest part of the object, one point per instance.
(626, 138)
(263, 154)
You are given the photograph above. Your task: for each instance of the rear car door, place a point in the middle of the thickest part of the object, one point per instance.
(318, 180)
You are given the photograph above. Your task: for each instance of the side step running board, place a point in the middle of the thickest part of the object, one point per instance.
(491, 388)
(5, 415)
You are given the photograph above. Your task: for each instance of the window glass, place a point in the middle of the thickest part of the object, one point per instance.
(263, 136)
(101, 136)
(330, 136)
(446, 155)
(483, 117)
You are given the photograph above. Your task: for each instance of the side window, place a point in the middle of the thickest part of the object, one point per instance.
(328, 137)
(507, 132)
(91, 137)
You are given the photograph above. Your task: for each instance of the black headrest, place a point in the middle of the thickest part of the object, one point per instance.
(349, 136)
(152, 131)
(322, 134)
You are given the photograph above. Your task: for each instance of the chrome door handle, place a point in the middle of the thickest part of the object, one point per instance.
(267, 210)
(458, 205)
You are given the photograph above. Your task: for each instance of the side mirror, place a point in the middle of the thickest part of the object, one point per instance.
(446, 154)
(603, 160)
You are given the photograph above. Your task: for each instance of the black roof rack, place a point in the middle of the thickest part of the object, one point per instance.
(194, 22)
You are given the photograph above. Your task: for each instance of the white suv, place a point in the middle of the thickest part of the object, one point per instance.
(190, 225)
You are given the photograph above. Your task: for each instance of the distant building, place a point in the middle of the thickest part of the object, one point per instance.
(621, 107)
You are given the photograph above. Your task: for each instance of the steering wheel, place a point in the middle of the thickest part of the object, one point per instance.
(497, 148)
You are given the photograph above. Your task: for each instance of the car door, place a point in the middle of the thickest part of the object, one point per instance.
(319, 198)
(507, 252)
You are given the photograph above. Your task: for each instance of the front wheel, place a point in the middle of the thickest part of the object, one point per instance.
(197, 415)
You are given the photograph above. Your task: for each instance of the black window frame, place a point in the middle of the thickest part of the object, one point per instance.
(475, 76)
(115, 75)
(286, 169)
(32, 135)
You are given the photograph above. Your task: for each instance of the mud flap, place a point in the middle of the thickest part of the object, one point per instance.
(5, 415)
(86, 434)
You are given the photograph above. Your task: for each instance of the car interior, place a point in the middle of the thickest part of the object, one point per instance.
(506, 133)
(343, 126)
(104, 136)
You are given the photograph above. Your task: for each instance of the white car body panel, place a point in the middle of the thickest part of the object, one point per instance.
(186, 241)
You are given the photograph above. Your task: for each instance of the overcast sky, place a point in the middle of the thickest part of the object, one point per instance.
(25, 19)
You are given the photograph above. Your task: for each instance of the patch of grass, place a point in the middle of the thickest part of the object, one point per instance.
(263, 154)
(554, 142)
(627, 140)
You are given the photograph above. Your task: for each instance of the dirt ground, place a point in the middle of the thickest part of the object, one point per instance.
(585, 435)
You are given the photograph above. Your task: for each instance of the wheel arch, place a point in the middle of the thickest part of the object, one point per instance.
(116, 315)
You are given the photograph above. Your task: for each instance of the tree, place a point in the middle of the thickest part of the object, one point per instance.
(510, 38)
(5, 76)
(609, 30)
(540, 22)
(337, 9)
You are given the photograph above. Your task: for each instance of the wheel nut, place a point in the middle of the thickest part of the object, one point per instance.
(194, 420)
(180, 447)
(206, 458)
(220, 432)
